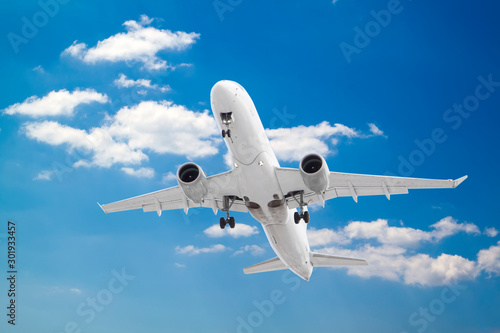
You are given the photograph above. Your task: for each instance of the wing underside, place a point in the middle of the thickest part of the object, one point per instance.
(355, 185)
(174, 198)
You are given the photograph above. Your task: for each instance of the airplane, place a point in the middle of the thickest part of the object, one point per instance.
(276, 197)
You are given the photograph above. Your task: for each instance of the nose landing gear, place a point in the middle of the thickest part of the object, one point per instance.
(226, 132)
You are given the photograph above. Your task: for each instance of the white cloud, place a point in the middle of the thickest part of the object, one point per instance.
(168, 177)
(375, 130)
(385, 234)
(97, 144)
(395, 264)
(44, 175)
(178, 265)
(254, 250)
(140, 43)
(124, 82)
(291, 144)
(320, 237)
(491, 232)
(228, 159)
(75, 291)
(56, 103)
(161, 127)
(489, 259)
(193, 250)
(393, 259)
(39, 69)
(139, 173)
(241, 230)
(164, 127)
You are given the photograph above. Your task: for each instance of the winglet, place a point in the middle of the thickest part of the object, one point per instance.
(459, 181)
(102, 208)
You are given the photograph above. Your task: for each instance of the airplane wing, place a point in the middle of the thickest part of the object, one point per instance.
(355, 185)
(173, 198)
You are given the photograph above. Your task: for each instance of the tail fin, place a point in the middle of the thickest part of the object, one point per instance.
(274, 264)
(328, 260)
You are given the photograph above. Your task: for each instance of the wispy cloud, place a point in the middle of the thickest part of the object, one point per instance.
(140, 43)
(291, 144)
(123, 82)
(193, 250)
(139, 173)
(168, 177)
(491, 232)
(56, 103)
(241, 230)
(254, 250)
(44, 175)
(39, 69)
(375, 130)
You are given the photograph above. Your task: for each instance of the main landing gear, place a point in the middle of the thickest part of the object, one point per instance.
(304, 215)
(230, 220)
(228, 202)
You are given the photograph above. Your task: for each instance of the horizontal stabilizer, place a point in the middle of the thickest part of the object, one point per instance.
(328, 260)
(274, 264)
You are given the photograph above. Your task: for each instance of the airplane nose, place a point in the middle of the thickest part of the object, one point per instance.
(224, 89)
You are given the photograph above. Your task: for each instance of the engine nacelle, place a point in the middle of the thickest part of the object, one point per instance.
(314, 172)
(192, 181)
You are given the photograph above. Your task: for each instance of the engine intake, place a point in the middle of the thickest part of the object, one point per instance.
(191, 179)
(314, 172)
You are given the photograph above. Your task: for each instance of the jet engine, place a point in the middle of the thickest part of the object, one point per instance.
(192, 180)
(314, 172)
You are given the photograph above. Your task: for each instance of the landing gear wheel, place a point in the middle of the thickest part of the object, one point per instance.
(306, 217)
(222, 223)
(228, 133)
(231, 222)
(296, 217)
(223, 134)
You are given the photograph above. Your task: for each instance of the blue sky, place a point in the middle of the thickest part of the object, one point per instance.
(104, 100)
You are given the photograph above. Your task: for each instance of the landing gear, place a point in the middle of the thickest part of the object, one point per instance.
(297, 217)
(228, 202)
(231, 222)
(222, 223)
(303, 215)
(228, 133)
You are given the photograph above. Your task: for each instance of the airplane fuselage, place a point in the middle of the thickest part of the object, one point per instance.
(254, 165)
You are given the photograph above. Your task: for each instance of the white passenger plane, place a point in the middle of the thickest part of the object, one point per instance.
(257, 184)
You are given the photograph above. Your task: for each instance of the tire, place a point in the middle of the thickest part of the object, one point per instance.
(228, 132)
(296, 217)
(222, 223)
(223, 134)
(306, 217)
(231, 222)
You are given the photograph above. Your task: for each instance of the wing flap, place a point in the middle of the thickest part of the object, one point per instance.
(274, 264)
